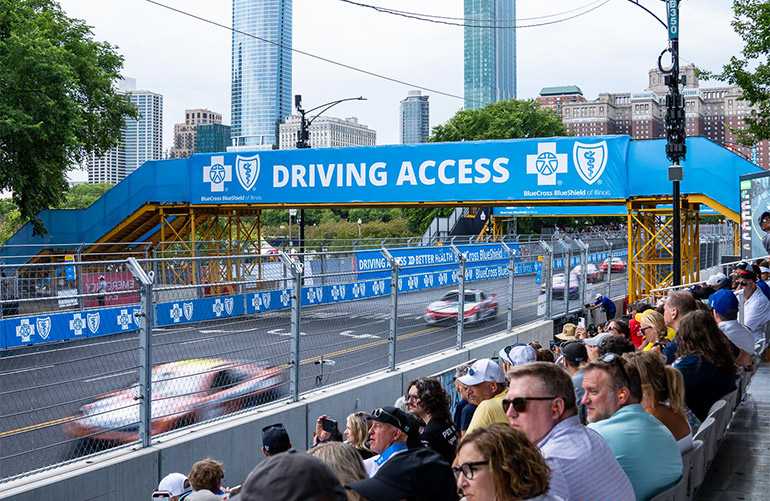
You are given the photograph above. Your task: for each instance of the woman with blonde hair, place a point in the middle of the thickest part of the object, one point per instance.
(653, 329)
(357, 434)
(344, 461)
(663, 394)
(499, 463)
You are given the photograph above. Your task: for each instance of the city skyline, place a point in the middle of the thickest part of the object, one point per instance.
(430, 55)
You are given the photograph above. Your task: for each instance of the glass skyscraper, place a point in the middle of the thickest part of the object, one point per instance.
(414, 123)
(261, 71)
(490, 52)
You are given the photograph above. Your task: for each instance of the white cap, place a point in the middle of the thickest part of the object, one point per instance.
(518, 354)
(599, 296)
(597, 340)
(175, 483)
(483, 370)
(713, 280)
(764, 270)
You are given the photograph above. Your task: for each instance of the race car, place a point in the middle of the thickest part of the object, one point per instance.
(618, 265)
(184, 392)
(557, 289)
(478, 306)
(593, 274)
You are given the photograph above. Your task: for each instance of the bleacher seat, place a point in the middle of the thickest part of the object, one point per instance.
(670, 493)
(732, 400)
(721, 412)
(706, 435)
(693, 469)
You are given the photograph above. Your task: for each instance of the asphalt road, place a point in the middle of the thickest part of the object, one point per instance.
(43, 386)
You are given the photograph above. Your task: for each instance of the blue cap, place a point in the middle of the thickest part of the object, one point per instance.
(725, 303)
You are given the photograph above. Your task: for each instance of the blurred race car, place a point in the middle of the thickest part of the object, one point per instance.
(618, 265)
(558, 286)
(478, 306)
(593, 274)
(183, 393)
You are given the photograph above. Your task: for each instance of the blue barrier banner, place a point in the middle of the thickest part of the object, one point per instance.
(199, 310)
(517, 169)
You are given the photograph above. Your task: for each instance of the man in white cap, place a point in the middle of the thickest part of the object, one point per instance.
(518, 354)
(606, 304)
(173, 487)
(486, 388)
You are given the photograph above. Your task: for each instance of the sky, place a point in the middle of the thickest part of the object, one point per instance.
(609, 49)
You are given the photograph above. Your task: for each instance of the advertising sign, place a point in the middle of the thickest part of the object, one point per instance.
(755, 202)
(116, 282)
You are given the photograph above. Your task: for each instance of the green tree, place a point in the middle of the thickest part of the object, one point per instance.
(81, 196)
(510, 119)
(751, 69)
(57, 101)
(10, 219)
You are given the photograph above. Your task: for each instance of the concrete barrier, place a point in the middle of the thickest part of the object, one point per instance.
(236, 441)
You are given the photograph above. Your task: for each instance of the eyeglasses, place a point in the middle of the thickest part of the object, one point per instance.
(645, 328)
(520, 403)
(467, 469)
(741, 284)
(410, 398)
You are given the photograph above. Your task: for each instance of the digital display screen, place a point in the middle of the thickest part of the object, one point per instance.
(755, 201)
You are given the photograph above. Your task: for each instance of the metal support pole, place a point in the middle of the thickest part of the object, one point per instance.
(460, 296)
(677, 240)
(609, 272)
(145, 350)
(546, 273)
(567, 275)
(79, 277)
(393, 332)
(583, 271)
(511, 274)
(295, 267)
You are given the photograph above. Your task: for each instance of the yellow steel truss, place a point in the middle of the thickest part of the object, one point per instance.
(650, 244)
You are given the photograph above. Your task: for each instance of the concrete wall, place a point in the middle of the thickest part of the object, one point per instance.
(236, 441)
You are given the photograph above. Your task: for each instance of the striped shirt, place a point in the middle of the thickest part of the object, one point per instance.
(583, 465)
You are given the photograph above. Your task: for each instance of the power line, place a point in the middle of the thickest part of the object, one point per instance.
(430, 19)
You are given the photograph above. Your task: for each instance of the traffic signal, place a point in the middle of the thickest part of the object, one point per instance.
(675, 127)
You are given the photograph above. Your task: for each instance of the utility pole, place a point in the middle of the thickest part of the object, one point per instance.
(675, 129)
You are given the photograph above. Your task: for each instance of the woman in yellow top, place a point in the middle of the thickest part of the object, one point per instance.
(653, 328)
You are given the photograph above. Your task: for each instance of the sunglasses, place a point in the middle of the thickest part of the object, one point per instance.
(380, 412)
(520, 403)
(741, 284)
(467, 469)
(611, 358)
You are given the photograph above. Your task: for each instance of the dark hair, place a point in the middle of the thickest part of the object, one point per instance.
(553, 380)
(616, 345)
(544, 355)
(622, 327)
(535, 345)
(748, 275)
(644, 307)
(682, 302)
(620, 372)
(699, 334)
(433, 397)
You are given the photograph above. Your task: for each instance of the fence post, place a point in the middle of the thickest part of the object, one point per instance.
(609, 272)
(546, 272)
(567, 274)
(393, 333)
(460, 296)
(295, 267)
(145, 349)
(511, 273)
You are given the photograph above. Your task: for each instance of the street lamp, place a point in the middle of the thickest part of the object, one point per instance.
(359, 227)
(302, 142)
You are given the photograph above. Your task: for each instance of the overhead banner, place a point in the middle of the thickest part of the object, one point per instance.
(524, 169)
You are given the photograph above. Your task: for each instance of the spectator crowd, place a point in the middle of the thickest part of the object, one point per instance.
(606, 412)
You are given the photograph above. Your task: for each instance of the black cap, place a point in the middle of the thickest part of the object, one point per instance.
(420, 473)
(392, 416)
(762, 216)
(275, 438)
(574, 352)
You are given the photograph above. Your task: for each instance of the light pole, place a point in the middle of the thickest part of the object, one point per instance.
(359, 227)
(302, 142)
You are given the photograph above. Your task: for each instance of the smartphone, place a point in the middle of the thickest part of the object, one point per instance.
(553, 344)
(582, 323)
(329, 425)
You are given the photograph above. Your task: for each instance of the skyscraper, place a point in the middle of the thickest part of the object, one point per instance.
(414, 123)
(185, 143)
(261, 71)
(490, 52)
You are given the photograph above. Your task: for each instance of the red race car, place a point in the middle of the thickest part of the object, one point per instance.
(478, 306)
(618, 265)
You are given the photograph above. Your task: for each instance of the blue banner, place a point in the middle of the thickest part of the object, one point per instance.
(199, 310)
(529, 169)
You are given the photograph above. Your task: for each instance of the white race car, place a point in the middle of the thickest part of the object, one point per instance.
(478, 306)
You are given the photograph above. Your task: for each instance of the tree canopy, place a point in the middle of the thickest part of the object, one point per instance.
(57, 101)
(751, 69)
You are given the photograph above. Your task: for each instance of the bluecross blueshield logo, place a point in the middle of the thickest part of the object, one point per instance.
(217, 174)
(247, 171)
(590, 160)
(546, 164)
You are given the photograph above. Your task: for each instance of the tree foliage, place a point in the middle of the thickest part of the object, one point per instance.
(57, 101)
(751, 69)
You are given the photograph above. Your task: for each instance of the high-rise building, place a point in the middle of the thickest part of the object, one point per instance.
(415, 118)
(142, 138)
(709, 113)
(185, 133)
(212, 138)
(261, 71)
(555, 97)
(490, 52)
(327, 132)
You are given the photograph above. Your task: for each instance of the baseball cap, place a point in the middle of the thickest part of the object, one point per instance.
(483, 370)
(292, 476)
(518, 354)
(275, 438)
(175, 484)
(724, 302)
(420, 473)
(764, 269)
(574, 351)
(762, 216)
(599, 296)
(639, 316)
(597, 340)
(392, 416)
(567, 332)
(713, 280)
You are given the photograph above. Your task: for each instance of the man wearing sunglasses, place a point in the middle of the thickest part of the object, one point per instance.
(486, 385)
(756, 307)
(387, 436)
(541, 403)
(644, 447)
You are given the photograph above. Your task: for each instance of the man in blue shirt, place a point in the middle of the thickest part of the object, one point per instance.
(606, 304)
(644, 447)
